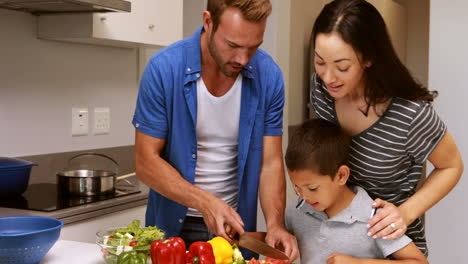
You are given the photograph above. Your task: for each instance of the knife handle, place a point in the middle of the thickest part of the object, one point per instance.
(231, 233)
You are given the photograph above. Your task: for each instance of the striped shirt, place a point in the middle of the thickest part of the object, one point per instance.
(387, 158)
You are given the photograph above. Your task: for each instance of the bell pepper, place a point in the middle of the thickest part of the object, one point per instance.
(132, 257)
(200, 253)
(222, 250)
(168, 251)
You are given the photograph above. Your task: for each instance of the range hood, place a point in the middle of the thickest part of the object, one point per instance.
(39, 7)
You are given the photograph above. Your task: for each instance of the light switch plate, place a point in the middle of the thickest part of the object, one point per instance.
(80, 121)
(101, 120)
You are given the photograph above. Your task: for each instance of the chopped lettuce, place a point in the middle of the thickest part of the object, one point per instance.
(237, 255)
(122, 237)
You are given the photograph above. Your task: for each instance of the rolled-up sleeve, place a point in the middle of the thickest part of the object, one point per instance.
(273, 124)
(150, 113)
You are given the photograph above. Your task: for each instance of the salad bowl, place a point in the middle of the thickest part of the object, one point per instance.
(115, 241)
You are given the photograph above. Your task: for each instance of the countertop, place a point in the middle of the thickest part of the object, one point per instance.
(86, 211)
(72, 252)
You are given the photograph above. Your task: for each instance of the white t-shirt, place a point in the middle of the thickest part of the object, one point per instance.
(217, 149)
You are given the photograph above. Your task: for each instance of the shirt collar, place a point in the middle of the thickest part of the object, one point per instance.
(192, 67)
(359, 210)
(193, 64)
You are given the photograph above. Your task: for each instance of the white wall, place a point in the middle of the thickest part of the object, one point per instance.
(448, 68)
(40, 81)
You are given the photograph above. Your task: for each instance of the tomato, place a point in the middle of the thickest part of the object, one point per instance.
(267, 261)
(274, 261)
(133, 243)
(104, 252)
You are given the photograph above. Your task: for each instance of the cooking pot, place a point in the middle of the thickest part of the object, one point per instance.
(14, 175)
(89, 174)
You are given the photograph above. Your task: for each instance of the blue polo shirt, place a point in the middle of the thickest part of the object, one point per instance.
(167, 109)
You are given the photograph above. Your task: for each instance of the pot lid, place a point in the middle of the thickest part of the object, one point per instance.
(91, 161)
(7, 163)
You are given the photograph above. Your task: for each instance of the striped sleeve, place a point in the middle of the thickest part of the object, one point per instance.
(320, 100)
(427, 129)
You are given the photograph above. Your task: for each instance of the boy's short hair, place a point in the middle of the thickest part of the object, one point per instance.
(318, 145)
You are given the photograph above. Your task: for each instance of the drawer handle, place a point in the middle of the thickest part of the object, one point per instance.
(151, 26)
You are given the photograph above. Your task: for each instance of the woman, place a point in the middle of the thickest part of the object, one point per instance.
(361, 84)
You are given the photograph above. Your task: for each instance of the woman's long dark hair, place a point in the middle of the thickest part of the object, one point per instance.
(360, 25)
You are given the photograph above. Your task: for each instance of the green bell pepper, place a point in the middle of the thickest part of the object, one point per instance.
(132, 257)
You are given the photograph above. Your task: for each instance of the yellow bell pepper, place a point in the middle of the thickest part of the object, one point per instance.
(222, 250)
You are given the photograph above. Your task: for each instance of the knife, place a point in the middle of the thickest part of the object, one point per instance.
(252, 242)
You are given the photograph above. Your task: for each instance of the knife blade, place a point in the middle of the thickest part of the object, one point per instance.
(249, 242)
(254, 241)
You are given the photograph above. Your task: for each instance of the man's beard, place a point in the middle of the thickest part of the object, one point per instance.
(219, 61)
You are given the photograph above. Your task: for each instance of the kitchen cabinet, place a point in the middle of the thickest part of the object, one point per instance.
(85, 231)
(151, 22)
(164, 25)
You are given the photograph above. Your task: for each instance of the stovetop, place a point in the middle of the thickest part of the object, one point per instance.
(45, 197)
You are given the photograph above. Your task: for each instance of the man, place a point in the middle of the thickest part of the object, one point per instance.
(208, 129)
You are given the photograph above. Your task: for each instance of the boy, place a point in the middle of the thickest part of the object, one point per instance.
(329, 220)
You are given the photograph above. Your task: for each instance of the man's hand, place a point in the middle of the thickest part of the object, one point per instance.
(280, 238)
(217, 214)
(336, 258)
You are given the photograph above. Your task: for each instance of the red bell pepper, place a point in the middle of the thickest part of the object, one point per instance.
(200, 253)
(168, 251)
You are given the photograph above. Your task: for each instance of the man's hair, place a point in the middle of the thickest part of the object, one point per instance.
(252, 10)
(318, 145)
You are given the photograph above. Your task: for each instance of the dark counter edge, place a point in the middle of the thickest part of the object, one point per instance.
(87, 211)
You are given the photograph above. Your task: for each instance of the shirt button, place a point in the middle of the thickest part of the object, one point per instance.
(181, 220)
(194, 155)
(137, 125)
(250, 66)
(198, 75)
(189, 69)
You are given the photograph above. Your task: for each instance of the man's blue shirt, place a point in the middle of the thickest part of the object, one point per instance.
(167, 109)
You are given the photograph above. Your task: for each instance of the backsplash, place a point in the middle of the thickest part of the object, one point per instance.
(41, 81)
(50, 164)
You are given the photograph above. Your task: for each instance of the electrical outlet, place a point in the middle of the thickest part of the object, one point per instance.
(101, 120)
(80, 121)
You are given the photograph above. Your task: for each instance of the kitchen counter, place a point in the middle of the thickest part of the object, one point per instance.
(72, 252)
(87, 211)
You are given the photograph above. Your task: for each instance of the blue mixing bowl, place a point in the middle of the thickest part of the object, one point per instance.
(14, 175)
(27, 239)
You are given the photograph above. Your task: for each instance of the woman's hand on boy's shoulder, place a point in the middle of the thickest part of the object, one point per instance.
(388, 222)
(337, 258)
